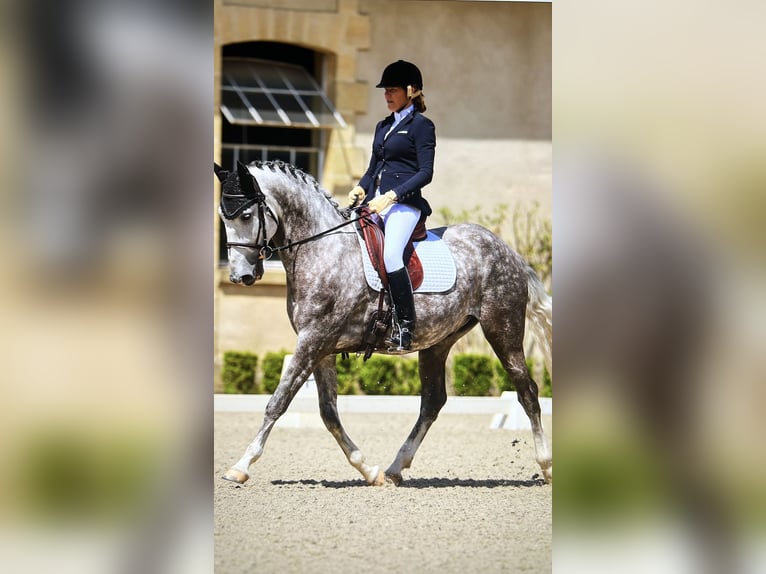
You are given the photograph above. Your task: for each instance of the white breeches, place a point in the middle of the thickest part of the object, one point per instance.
(400, 221)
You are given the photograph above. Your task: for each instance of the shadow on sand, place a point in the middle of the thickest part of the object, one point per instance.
(423, 483)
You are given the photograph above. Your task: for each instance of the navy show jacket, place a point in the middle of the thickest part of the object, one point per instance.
(404, 160)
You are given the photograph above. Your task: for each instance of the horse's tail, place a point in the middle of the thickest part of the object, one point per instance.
(540, 317)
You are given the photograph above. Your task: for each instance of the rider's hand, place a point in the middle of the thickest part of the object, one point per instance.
(382, 202)
(355, 196)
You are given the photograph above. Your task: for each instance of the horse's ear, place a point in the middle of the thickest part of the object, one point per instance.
(248, 183)
(220, 173)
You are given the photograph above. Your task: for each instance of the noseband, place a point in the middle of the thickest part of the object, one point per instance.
(261, 240)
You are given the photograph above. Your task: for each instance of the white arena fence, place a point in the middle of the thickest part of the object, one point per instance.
(504, 411)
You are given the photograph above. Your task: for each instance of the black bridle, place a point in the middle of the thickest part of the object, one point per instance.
(261, 241)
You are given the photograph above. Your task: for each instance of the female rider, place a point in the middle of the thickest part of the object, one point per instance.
(402, 163)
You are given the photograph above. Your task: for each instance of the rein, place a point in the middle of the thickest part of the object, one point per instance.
(265, 252)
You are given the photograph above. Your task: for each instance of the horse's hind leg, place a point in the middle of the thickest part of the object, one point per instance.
(433, 395)
(506, 337)
(527, 393)
(326, 380)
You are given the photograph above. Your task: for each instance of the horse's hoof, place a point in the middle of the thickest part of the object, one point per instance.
(548, 475)
(380, 480)
(235, 475)
(394, 479)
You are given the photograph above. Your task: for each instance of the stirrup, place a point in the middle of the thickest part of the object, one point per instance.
(395, 341)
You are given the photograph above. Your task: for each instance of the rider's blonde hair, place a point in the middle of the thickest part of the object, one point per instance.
(417, 98)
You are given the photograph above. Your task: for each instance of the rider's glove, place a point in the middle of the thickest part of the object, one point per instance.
(382, 202)
(355, 196)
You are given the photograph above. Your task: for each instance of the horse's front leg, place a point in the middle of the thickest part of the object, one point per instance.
(296, 374)
(326, 379)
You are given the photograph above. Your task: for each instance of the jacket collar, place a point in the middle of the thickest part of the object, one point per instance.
(407, 119)
(391, 119)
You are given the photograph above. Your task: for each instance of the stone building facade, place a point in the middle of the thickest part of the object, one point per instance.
(486, 68)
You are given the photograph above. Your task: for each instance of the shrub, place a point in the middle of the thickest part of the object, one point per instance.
(347, 379)
(238, 372)
(472, 375)
(380, 375)
(408, 382)
(272, 370)
(377, 376)
(546, 389)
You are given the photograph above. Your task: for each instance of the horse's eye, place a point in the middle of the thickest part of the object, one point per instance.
(246, 216)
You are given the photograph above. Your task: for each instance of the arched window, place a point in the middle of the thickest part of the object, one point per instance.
(273, 106)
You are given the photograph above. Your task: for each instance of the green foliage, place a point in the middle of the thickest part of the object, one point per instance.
(530, 234)
(409, 378)
(347, 379)
(472, 375)
(382, 375)
(546, 389)
(377, 376)
(272, 370)
(238, 372)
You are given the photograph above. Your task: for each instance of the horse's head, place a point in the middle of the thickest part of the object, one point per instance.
(248, 221)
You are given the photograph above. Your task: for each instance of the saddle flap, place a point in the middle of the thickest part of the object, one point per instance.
(374, 240)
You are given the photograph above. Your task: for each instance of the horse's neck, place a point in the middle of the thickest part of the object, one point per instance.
(305, 211)
(308, 220)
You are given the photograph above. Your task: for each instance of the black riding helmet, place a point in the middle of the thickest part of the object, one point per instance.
(401, 74)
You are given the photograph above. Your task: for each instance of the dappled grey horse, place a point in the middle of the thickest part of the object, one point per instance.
(329, 303)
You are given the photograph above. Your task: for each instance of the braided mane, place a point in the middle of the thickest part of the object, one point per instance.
(299, 176)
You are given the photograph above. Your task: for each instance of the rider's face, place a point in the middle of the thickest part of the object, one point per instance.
(396, 98)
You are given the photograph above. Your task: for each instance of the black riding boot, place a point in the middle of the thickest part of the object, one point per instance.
(400, 288)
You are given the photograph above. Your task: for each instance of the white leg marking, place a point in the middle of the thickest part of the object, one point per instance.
(543, 455)
(371, 474)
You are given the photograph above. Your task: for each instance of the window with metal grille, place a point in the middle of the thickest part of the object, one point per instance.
(274, 109)
(267, 93)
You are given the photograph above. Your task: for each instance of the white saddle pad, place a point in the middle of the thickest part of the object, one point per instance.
(439, 271)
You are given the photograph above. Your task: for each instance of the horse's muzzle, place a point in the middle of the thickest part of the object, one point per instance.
(248, 279)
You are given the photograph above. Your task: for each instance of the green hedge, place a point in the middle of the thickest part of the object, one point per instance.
(238, 373)
(381, 375)
(480, 375)
(546, 389)
(347, 376)
(272, 370)
(472, 375)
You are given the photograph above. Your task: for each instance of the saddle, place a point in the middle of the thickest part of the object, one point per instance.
(372, 233)
(435, 273)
